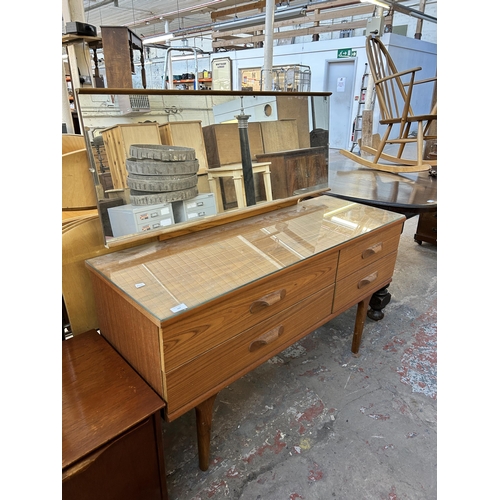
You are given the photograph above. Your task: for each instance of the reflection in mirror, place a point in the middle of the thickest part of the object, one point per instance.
(162, 158)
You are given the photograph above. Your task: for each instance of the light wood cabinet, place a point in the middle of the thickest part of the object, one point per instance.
(188, 134)
(118, 140)
(222, 142)
(197, 312)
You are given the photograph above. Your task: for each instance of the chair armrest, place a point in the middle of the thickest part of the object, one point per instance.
(398, 74)
(426, 80)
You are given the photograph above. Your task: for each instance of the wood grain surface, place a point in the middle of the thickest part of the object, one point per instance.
(102, 396)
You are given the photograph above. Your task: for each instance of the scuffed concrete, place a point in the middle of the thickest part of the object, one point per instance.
(315, 422)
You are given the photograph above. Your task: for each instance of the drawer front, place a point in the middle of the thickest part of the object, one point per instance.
(220, 366)
(358, 285)
(368, 249)
(128, 467)
(196, 333)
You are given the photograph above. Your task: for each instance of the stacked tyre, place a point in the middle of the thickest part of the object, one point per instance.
(161, 174)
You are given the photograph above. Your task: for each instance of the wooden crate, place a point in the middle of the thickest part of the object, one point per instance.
(295, 108)
(281, 135)
(117, 141)
(187, 134)
(222, 143)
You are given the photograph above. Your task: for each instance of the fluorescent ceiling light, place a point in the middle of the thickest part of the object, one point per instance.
(245, 22)
(159, 38)
(403, 9)
(380, 3)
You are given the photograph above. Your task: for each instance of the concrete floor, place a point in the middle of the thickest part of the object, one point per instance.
(316, 423)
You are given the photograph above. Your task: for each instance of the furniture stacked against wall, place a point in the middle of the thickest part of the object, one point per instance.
(258, 285)
(112, 444)
(285, 143)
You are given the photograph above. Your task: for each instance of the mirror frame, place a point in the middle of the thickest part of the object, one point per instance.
(181, 228)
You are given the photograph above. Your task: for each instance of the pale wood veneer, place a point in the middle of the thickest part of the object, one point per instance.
(297, 268)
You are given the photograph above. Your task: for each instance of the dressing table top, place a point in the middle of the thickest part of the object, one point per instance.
(168, 277)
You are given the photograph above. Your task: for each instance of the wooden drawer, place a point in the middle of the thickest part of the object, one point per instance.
(368, 250)
(192, 382)
(197, 332)
(128, 467)
(360, 284)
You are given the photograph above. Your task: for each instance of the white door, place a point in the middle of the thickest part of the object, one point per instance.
(340, 82)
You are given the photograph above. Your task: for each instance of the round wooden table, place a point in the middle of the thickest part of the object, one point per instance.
(407, 193)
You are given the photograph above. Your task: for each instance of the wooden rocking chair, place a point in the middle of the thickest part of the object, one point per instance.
(394, 98)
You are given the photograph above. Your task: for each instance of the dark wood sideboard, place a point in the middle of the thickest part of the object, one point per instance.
(296, 169)
(111, 426)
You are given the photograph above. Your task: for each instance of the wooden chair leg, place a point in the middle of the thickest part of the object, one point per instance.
(404, 132)
(203, 430)
(381, 146)
(360, 324)
(420, 143)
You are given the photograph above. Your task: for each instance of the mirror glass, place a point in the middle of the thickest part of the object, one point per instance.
(162, 158)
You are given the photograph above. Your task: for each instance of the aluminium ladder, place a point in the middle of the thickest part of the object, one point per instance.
(358, 121)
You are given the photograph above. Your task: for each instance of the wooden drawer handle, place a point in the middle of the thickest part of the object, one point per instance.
(372, 250)
(267, 300)
(266, 339)
(368, 279)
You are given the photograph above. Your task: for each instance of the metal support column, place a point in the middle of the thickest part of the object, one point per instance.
(246, 159)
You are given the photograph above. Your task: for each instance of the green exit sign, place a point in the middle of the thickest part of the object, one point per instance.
(346, 53)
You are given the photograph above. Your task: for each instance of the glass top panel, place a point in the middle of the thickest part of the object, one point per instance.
(169, 277)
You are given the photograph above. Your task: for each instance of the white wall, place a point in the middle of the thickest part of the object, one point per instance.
(406, 52)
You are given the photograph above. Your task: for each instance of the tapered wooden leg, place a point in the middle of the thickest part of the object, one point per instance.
(203, 430)
(360, 324)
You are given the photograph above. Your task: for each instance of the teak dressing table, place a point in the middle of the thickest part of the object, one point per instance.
(194, 313)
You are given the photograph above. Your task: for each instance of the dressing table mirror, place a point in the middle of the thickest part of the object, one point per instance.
(142, 195)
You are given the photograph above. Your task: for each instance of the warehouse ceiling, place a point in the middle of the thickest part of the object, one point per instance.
(148, 17)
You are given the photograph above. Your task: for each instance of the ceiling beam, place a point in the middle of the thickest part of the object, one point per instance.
(314, 17)
(241, 8)
(237, 42)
